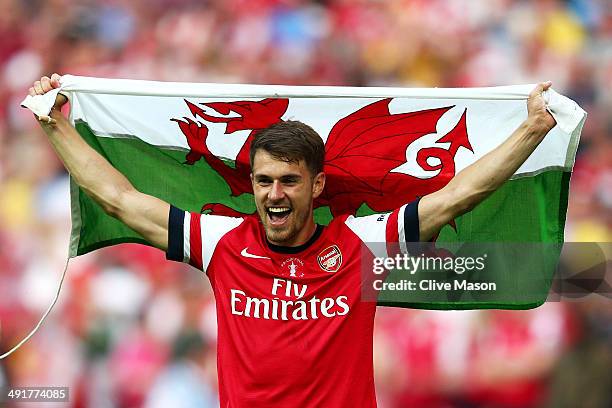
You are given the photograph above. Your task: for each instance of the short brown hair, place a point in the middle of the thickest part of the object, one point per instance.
(291, 141)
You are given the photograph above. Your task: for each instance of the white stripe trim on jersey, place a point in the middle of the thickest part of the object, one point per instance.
(401, 231)
(186, 237)
(213, 228)
(371, 232)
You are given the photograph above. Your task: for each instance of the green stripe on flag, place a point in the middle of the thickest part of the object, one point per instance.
(528, 209)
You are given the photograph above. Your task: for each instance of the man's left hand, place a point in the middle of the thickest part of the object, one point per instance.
(538, 116)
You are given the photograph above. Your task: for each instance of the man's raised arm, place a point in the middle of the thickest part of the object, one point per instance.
(143, 213)
(477, 181)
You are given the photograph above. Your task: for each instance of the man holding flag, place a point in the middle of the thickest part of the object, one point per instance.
(293, 329)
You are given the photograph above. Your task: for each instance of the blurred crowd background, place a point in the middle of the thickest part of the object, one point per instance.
(132, 330)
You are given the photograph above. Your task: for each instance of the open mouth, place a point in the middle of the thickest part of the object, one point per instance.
(278, 215)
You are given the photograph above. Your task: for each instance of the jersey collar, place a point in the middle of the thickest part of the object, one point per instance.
(299, 248)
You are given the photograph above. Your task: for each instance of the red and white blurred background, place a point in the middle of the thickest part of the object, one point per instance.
(133, 330)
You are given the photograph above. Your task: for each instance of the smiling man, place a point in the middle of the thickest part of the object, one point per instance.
(293, 330)
(284, 194)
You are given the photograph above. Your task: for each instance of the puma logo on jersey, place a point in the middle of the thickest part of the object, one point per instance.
(246, 254)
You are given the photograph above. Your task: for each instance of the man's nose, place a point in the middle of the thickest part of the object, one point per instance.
(276, 192)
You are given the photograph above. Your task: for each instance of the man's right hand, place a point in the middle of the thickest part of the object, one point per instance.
(43, 86)
(143, 213)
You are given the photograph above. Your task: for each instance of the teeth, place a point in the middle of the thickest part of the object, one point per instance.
(278, 209)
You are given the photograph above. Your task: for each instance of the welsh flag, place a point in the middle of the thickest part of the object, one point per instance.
(188, 144)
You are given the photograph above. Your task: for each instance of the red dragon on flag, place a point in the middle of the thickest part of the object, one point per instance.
(361, 151)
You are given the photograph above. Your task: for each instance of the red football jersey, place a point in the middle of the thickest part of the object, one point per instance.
(292, 329)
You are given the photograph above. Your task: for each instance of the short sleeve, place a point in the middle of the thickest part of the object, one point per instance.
(193, 237)
(399, 226)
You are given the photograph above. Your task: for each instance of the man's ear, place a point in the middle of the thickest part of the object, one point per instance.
(318, 184)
